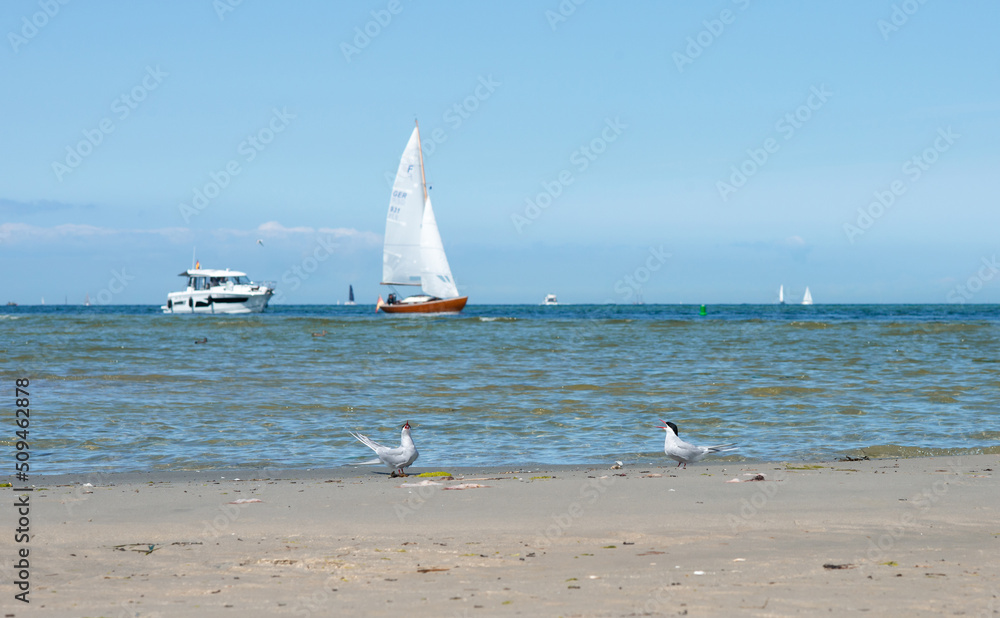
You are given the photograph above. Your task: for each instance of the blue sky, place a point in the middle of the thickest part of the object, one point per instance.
(698, 152)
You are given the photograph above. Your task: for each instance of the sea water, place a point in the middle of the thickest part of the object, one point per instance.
(128, 389)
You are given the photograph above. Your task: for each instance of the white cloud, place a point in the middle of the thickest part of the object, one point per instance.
(12, 233)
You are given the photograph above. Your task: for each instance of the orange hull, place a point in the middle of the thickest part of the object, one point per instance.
(451, 305)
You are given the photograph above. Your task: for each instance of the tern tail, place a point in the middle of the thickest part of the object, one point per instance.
(721, 448)
(372, 444)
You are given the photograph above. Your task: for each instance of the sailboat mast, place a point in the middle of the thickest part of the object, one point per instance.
(420, 149)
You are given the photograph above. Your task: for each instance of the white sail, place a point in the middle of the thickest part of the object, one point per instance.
(435, 274)
(781, 294)
(401, 251)
(808, 298)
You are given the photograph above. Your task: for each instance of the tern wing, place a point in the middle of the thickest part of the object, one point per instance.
(683, 451)
(394, 456)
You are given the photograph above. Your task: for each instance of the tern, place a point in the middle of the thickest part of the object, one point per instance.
(685, 452)
(396, 458)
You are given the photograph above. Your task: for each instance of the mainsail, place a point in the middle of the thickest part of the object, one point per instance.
(401, 252)
(413, 253)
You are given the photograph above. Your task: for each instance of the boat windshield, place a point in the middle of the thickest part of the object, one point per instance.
(205, 283)
(198, 283)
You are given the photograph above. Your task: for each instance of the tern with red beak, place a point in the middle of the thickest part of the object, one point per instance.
(684, 452)
(396, 458)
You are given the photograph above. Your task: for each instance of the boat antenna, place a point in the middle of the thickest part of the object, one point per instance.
(420, 149)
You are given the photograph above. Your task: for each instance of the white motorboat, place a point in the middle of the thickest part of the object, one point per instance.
(219, 291)
(550, 299)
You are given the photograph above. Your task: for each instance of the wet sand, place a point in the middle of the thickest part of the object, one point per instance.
(916, 537)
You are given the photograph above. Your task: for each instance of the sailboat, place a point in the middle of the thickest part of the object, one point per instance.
(413, 253)
(808, 298)
(350, 295)
(781, 294)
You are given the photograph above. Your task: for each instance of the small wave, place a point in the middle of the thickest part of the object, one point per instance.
(482, 319)
(777, 391)
(10, 317)
(932, 328)
(884, 451)
(851, 411)
(670, 324)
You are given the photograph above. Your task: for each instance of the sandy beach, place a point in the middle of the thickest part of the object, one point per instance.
(916, 537)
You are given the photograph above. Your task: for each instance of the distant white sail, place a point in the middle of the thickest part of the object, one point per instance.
(401, 252)
(435, 274)
(781, 294)
(808, 298)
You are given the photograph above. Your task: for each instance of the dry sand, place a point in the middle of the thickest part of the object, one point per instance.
(914, 537)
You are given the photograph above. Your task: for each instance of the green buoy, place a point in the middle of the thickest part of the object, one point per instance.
(702, 311)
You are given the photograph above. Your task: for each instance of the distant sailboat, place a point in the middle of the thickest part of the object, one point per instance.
(413, 253)
(808, 298)
(781, 294)
(350, 295)
(86, 300)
